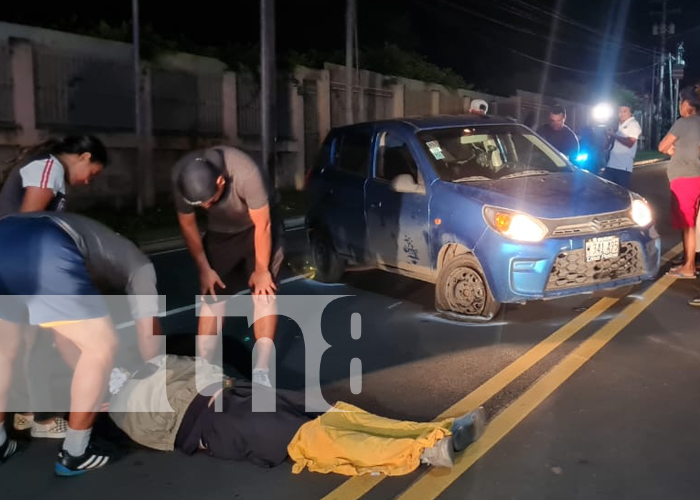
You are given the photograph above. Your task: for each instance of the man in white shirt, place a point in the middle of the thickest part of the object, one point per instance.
(621, 162)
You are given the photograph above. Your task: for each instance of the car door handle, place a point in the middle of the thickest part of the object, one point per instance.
(375, 205)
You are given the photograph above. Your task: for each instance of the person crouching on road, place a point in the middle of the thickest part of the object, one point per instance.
(344, 440)
(52, 275)
(242, 245)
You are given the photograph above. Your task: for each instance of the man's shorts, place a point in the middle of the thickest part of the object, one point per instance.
(232, 256)
(685, 194)
(43, 276)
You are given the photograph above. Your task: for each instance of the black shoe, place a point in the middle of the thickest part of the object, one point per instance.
(68, 465)
(467, 429)
(8, 448)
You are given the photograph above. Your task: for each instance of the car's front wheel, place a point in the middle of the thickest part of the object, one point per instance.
(461, 288)
(329, 266)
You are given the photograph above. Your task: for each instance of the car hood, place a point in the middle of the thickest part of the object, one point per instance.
(557, 195)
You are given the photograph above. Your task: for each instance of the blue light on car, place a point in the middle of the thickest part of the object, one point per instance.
(582, 157)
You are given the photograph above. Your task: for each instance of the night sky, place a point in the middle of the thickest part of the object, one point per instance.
(496, 44)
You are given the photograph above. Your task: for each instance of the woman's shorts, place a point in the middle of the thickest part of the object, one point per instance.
(43, 275)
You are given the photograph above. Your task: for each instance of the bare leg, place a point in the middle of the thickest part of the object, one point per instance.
(9, 346)
(97, 342)
(208, 328)
(265, 314)
(688, 267)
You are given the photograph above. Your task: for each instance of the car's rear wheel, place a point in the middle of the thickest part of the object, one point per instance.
(462, 288)
(329, 266)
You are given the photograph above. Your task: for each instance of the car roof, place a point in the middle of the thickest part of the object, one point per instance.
(434, 122)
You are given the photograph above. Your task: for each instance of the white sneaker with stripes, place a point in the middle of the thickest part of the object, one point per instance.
(7, 449)
(68, 465)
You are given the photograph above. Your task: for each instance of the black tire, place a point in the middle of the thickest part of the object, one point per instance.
(329, 266)
(462, 289)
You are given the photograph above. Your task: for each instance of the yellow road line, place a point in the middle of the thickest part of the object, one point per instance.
(358, 486)
(435, 481)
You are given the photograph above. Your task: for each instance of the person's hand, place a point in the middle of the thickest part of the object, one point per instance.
(208, 279)
(672, 150)
(261, 283)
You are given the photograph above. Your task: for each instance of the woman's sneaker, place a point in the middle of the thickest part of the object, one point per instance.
(23, 422)
(67, 465)
(57, 429)
(8, 448)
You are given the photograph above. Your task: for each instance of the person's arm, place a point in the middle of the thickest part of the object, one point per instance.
(626, 141)
(42, 180)
(142, 292)
(667, 144)
(261, 280)
(36, 199)
(193, 239)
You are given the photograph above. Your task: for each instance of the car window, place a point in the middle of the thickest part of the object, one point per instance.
(352, 151)
(394, 158)
(489, 152)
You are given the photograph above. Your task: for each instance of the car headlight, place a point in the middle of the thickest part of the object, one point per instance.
(640, 211)
(515, 225)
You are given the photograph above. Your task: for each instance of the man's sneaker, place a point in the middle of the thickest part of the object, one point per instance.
(8, 448)
(68, 465)
(57, 429)
(468, 428)
(261, 377)
(440, 455)
(23, 422)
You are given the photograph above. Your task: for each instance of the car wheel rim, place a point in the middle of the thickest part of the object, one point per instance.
(466, 291)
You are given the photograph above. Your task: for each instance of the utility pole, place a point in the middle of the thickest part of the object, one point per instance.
(661, 30)
(138, 122)
(677, 74)
(268, 89)
(350, 12)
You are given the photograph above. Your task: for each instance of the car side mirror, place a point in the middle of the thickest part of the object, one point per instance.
(404, 183)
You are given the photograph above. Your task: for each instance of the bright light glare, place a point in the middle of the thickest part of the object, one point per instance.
(602, 112)
(524, 228)
(641, 213)
(582, 157)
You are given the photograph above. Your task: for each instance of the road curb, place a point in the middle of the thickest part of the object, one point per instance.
(647, 163)
(177, 242)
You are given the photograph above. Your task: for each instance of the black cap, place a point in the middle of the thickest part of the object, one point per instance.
(197, 181)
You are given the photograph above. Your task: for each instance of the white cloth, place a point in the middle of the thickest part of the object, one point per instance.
(622, 157)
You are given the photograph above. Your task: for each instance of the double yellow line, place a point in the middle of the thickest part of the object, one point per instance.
(431, 484)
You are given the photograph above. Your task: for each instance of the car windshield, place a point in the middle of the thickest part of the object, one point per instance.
(490, 152)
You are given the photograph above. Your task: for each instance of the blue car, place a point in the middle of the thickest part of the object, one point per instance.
(479, 205)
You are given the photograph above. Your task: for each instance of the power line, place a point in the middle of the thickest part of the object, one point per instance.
(490, 39)
(582, 26)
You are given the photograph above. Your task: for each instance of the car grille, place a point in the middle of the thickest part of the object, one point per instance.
(570, 269)
(598, 224)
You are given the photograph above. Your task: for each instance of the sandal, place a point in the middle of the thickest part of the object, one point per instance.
(675, 273)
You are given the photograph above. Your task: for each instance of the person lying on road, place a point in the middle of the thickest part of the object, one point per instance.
(160, 407)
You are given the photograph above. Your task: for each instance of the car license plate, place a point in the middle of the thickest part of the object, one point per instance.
(607, 247)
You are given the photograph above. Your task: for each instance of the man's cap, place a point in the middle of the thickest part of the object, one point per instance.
(197, 181)
(479, 105)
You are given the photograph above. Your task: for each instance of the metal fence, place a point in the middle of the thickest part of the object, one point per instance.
(7, 113)
(75, 90)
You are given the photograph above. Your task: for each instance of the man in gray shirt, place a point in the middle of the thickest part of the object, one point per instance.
(242, 245)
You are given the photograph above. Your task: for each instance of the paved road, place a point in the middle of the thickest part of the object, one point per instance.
(587, 397)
